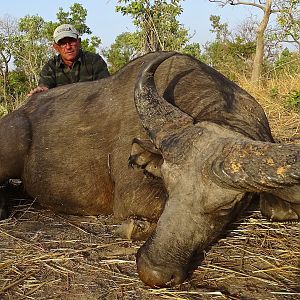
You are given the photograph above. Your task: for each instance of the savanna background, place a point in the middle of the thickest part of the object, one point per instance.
(47, 256)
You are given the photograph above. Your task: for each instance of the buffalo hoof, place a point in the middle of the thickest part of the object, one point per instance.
(276, 209)
(158, 276)
(134, 229)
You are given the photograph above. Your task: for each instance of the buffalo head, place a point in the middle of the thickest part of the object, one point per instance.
(209, 172)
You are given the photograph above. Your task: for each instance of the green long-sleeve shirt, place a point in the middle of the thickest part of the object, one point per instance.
(88, 67)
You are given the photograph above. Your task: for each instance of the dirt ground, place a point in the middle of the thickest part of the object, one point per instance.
(49, 256)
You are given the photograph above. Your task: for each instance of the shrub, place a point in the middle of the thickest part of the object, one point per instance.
(3, 111)
(293, 99)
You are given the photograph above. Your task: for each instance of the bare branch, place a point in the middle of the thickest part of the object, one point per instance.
(237, 2)
(253, 3)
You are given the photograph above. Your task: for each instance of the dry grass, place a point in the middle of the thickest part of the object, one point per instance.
(284, 122)
(50, 256)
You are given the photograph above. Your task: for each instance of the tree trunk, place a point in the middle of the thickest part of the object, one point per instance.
(4, 73)
(260, 44)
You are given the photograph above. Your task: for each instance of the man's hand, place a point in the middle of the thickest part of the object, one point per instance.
(38, 89)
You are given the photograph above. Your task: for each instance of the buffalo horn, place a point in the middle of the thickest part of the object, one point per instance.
(257, 166)
(160, 118)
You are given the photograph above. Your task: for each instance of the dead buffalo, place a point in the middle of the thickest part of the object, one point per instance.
(203, 143)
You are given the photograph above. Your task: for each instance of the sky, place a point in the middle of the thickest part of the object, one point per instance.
(107, 24)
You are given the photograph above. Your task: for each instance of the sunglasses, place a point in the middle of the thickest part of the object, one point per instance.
(63, 44)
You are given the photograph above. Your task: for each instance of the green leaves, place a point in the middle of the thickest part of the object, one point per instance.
(124, 49)
(293, 99)
(157, 25)
(288, 20)
(76, 16)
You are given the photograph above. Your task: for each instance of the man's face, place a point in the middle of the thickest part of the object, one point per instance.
(68, 48)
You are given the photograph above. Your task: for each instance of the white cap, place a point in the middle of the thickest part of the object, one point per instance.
(65, 30)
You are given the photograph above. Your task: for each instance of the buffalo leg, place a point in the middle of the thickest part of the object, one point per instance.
(15, 140)
(135, 229)
(139, 200)
(277, 209)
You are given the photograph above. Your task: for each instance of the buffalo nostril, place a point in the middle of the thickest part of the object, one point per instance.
(158, 276)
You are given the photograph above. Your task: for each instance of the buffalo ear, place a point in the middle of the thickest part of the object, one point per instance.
(144, 155)
(255, 166)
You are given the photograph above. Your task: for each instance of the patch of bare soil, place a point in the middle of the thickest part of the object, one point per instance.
(49, 256)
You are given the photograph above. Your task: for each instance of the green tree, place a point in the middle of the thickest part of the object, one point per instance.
(287, 63)
(267, 7)
(124, 49)
(229, 52)
(220, 29)
(157, 24)
(77, 17)
(8, 28)
(288, 20)
(30, 48)
(193, 49)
